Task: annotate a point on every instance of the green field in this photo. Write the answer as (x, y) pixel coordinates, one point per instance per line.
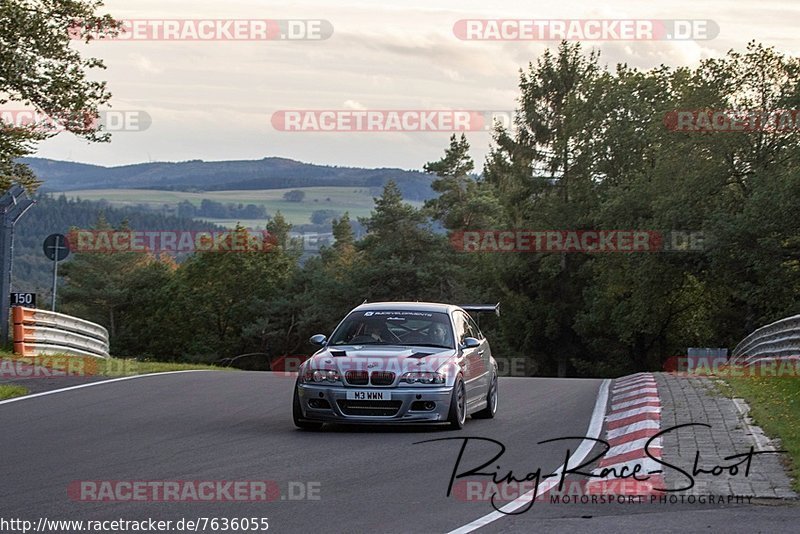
(357, 201)
(775, 407)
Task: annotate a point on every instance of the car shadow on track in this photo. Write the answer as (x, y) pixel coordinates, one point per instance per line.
(344, 428)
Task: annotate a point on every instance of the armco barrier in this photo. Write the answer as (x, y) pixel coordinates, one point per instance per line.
(40, 332)
(778, 340)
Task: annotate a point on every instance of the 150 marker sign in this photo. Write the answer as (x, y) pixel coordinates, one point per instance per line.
(27, 300)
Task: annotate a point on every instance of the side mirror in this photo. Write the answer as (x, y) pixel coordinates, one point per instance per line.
(319, 339)
(470, 343)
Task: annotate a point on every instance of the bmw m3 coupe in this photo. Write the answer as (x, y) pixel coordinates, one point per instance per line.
(399, 362)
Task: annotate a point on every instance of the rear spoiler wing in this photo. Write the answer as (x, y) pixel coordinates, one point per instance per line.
(482, 308)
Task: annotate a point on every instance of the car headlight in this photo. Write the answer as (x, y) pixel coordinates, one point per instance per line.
(319, 376)
(423, 378)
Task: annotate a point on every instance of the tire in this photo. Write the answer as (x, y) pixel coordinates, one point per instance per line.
(297, 415)
(491, 402)
(457, 415)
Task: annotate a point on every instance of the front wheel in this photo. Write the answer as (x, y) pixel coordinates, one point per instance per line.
(297, 415)
(491, 402)
(458, 406)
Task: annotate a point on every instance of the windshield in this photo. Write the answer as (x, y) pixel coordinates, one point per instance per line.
(395, 327)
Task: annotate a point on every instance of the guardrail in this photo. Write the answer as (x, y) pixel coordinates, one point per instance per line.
(778, 340)
(40, 332)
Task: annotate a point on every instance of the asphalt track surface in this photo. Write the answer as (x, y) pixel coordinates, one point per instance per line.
(237, 426)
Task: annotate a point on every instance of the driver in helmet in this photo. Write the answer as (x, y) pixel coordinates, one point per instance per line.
(439, 335)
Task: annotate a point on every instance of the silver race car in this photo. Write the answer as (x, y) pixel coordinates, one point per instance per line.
(399, 362)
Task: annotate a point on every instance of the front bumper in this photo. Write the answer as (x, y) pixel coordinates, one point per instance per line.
(340, 410)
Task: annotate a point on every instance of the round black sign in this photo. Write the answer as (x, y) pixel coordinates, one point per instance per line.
(56, 247)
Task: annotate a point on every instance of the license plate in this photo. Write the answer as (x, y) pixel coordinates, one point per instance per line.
(369, 395)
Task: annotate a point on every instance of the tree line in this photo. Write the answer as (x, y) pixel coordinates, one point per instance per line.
(219, 210)
(591, 148)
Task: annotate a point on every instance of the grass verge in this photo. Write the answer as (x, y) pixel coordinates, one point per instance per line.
(9, 392)
(121, 367)
(775, 407)
(12, 365)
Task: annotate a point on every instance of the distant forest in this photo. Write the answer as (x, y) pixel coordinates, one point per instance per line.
(219, 210)
(32, 271)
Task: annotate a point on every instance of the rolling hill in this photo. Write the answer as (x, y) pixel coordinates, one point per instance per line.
(197, 175)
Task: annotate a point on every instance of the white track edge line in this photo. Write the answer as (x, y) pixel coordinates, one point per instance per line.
(99, 383)
(583, 450)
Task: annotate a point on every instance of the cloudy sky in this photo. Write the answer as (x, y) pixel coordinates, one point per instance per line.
(214, 100)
